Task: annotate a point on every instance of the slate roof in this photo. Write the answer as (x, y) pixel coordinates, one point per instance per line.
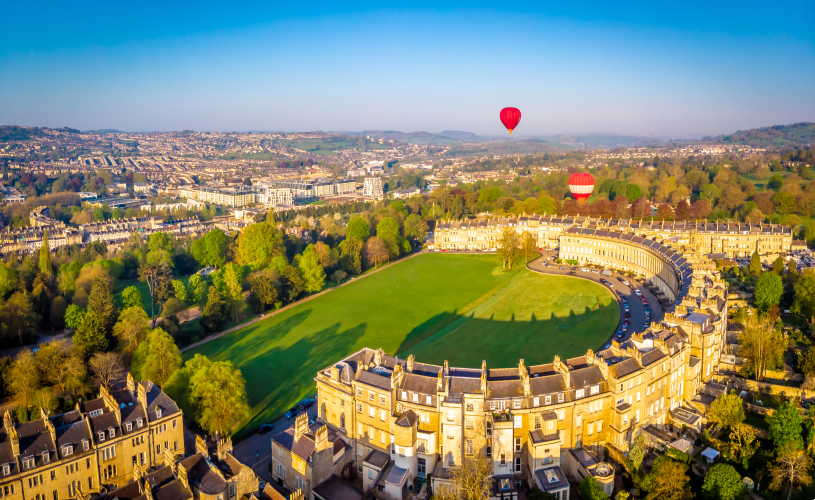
(505, 389)
(374, 380)
(377, 458)
(201, 475)
(419, 383)
(334, 488)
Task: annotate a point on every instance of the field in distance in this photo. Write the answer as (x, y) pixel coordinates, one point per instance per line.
(462, 308)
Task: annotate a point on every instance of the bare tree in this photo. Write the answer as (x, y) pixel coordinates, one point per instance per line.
(106, 367)
(528, 244)
(23, 378)
(471, 481)
(75, 369)
(761, 343)
(44, 400)
(792, 468)
(375, 251)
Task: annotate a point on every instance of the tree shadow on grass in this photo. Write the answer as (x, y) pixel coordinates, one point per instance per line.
(276, 379)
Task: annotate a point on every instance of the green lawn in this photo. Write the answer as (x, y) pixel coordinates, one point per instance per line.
(143, 289)
(430, 305)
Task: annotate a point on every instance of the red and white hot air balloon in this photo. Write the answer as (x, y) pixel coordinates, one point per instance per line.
(510, 117)
(581, 185)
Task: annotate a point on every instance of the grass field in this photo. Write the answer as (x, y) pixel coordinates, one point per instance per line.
(429, 305)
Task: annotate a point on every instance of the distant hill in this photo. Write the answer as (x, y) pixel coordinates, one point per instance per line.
(12, 133)
(606, 141)
(778, 135)
(105, 131)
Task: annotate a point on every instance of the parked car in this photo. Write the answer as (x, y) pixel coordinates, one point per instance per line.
(563, 268)
(627, 314)
(264, 428)
(603, 281)
(606, 272)
(292, 413)
(595, 271)
(620, 334)
(621, 280)
(572, 273)
(306, 403)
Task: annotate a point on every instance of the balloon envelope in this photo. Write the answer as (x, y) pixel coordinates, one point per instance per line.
(581, 185)
(510, 117)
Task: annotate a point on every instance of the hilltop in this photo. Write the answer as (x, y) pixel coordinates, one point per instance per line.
(778, 135)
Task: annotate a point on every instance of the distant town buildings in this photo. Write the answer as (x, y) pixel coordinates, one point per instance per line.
(372, 188)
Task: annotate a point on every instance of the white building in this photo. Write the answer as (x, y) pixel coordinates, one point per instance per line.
(373, 187)
(276, 196)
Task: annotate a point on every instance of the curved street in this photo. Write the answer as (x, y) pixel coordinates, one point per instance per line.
(546, 265)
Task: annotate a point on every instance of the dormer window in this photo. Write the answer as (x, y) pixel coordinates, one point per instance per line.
(101, 436)
(45, 457)
(579, 393)
(129, 426)
(415, 398)
(595, 389)
(158, 412)
(28, 463)
(139, 422)
(112, 432)
(67, 450)
(85, 444)
(95, 413)
(6, 470)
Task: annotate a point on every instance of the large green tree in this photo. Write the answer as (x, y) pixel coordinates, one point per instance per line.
(131, 297)
(785, 428)
(388, 232)
(131, 328)
(101, 302)
(415, 227)
(727, 410)
(768, 291)
(312, 271)
(233, 287)
(19, 317)
(358, 229)
(90, 335)
(590, 489)
(263, 293)
(219, 392)
(46, 270)
(667, 481)
(216, 311)
(163, 357)
(723, 482)
(804, 302)
(755, 268)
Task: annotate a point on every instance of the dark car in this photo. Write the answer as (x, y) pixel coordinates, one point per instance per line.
(620, 334)
(627, 314)
(292, 413)
(620, 279)
(306, 404)
(603, 281)
(264, 428)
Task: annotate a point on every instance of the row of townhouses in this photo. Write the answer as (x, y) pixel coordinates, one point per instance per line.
(400, 421)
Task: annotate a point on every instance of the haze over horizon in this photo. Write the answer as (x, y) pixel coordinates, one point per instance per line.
(690, 69)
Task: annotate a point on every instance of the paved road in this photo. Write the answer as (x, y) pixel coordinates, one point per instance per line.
(634, 304)
(42, 338)
(256, 451)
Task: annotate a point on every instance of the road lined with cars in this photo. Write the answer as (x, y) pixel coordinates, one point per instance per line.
(638, 306)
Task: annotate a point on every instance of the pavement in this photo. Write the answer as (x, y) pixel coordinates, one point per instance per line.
(635, 306)
(256, 450)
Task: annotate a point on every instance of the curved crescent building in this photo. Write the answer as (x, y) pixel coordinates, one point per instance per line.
(540, 423)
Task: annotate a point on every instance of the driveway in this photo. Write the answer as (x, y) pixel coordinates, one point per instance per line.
(619, 290)
(63, 338)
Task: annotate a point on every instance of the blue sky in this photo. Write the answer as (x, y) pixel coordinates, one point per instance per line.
(690, 68)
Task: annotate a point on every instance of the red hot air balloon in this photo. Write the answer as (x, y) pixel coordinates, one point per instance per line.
(510, 117)
(581, 185)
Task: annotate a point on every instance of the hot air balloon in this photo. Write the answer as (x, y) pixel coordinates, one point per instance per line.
(581, 185)
(510, 117)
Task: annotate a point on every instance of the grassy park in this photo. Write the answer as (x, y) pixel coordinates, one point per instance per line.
(462, 308)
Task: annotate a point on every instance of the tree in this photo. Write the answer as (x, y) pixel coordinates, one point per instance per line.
(107, 367)
(58, 309)
(761, 344)
(50, 360)
(23, 378)
(528, 244)
(639, 447)
(101, 303)
(312, 271)
(233, 289)
(778, 266)
(590, 489)
(293, 283)
(792, 468)
(727, 411)
(357, 229)
(768, 291)
(46, 270)
(755, 216)
(710, 192)
(73, 316)
(538, 494)
(90, 335)
(785, 429)
(75, 370)
(19, 316)
(375, 251)
(471, 481)
(44, 400)
(743, 443)
(131, 328)
(784, 203)
(351, 258)
(197, 289)
(722, 482)
(263, 293)
(163, 357)
(508, 243)
(806, 362)
(388, 232)
(804, 302)
(9, 282)
(755, 268)
(216, 311)
(258, 244)
(416, 227)
(667, 480)
(219, 391)
(180, 290)
(154, 273)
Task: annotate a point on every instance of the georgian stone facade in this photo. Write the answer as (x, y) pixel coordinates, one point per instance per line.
(537, 423)
(733, 240)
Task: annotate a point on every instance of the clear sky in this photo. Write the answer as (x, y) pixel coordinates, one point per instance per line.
(649, 68)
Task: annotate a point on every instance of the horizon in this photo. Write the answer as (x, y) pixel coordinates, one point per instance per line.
(635, 70)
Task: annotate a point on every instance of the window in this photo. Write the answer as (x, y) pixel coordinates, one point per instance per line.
(590, 429)
(112, 433)
(489, 428)
(175, 445)
(382, 414)
(415, 398)
(622, 387)
(342, 420)
(128, 426)
(579, 420)
(517, 421)
(595, 389)
(382, 437)
(469, 447)
(101, 436)
(517, 445)
(6, 470)
(139, 422)
(370, 473)
(517, 404)
(404, 395)
(359, 428)
(489, 452)
(518, 464)
(175, 422)
(599, 426)
(561, 414)
(422, 445)
(503, 460)
(579, 393)
(547, 400)
(469, 407)
(560, 398)
(158, 412)
(342, 404)
(551, 425)
(359, 407)
(381, 400)
(28, 463)
(371, 411)
(232, 490)
(370, 396)
(451, 460)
